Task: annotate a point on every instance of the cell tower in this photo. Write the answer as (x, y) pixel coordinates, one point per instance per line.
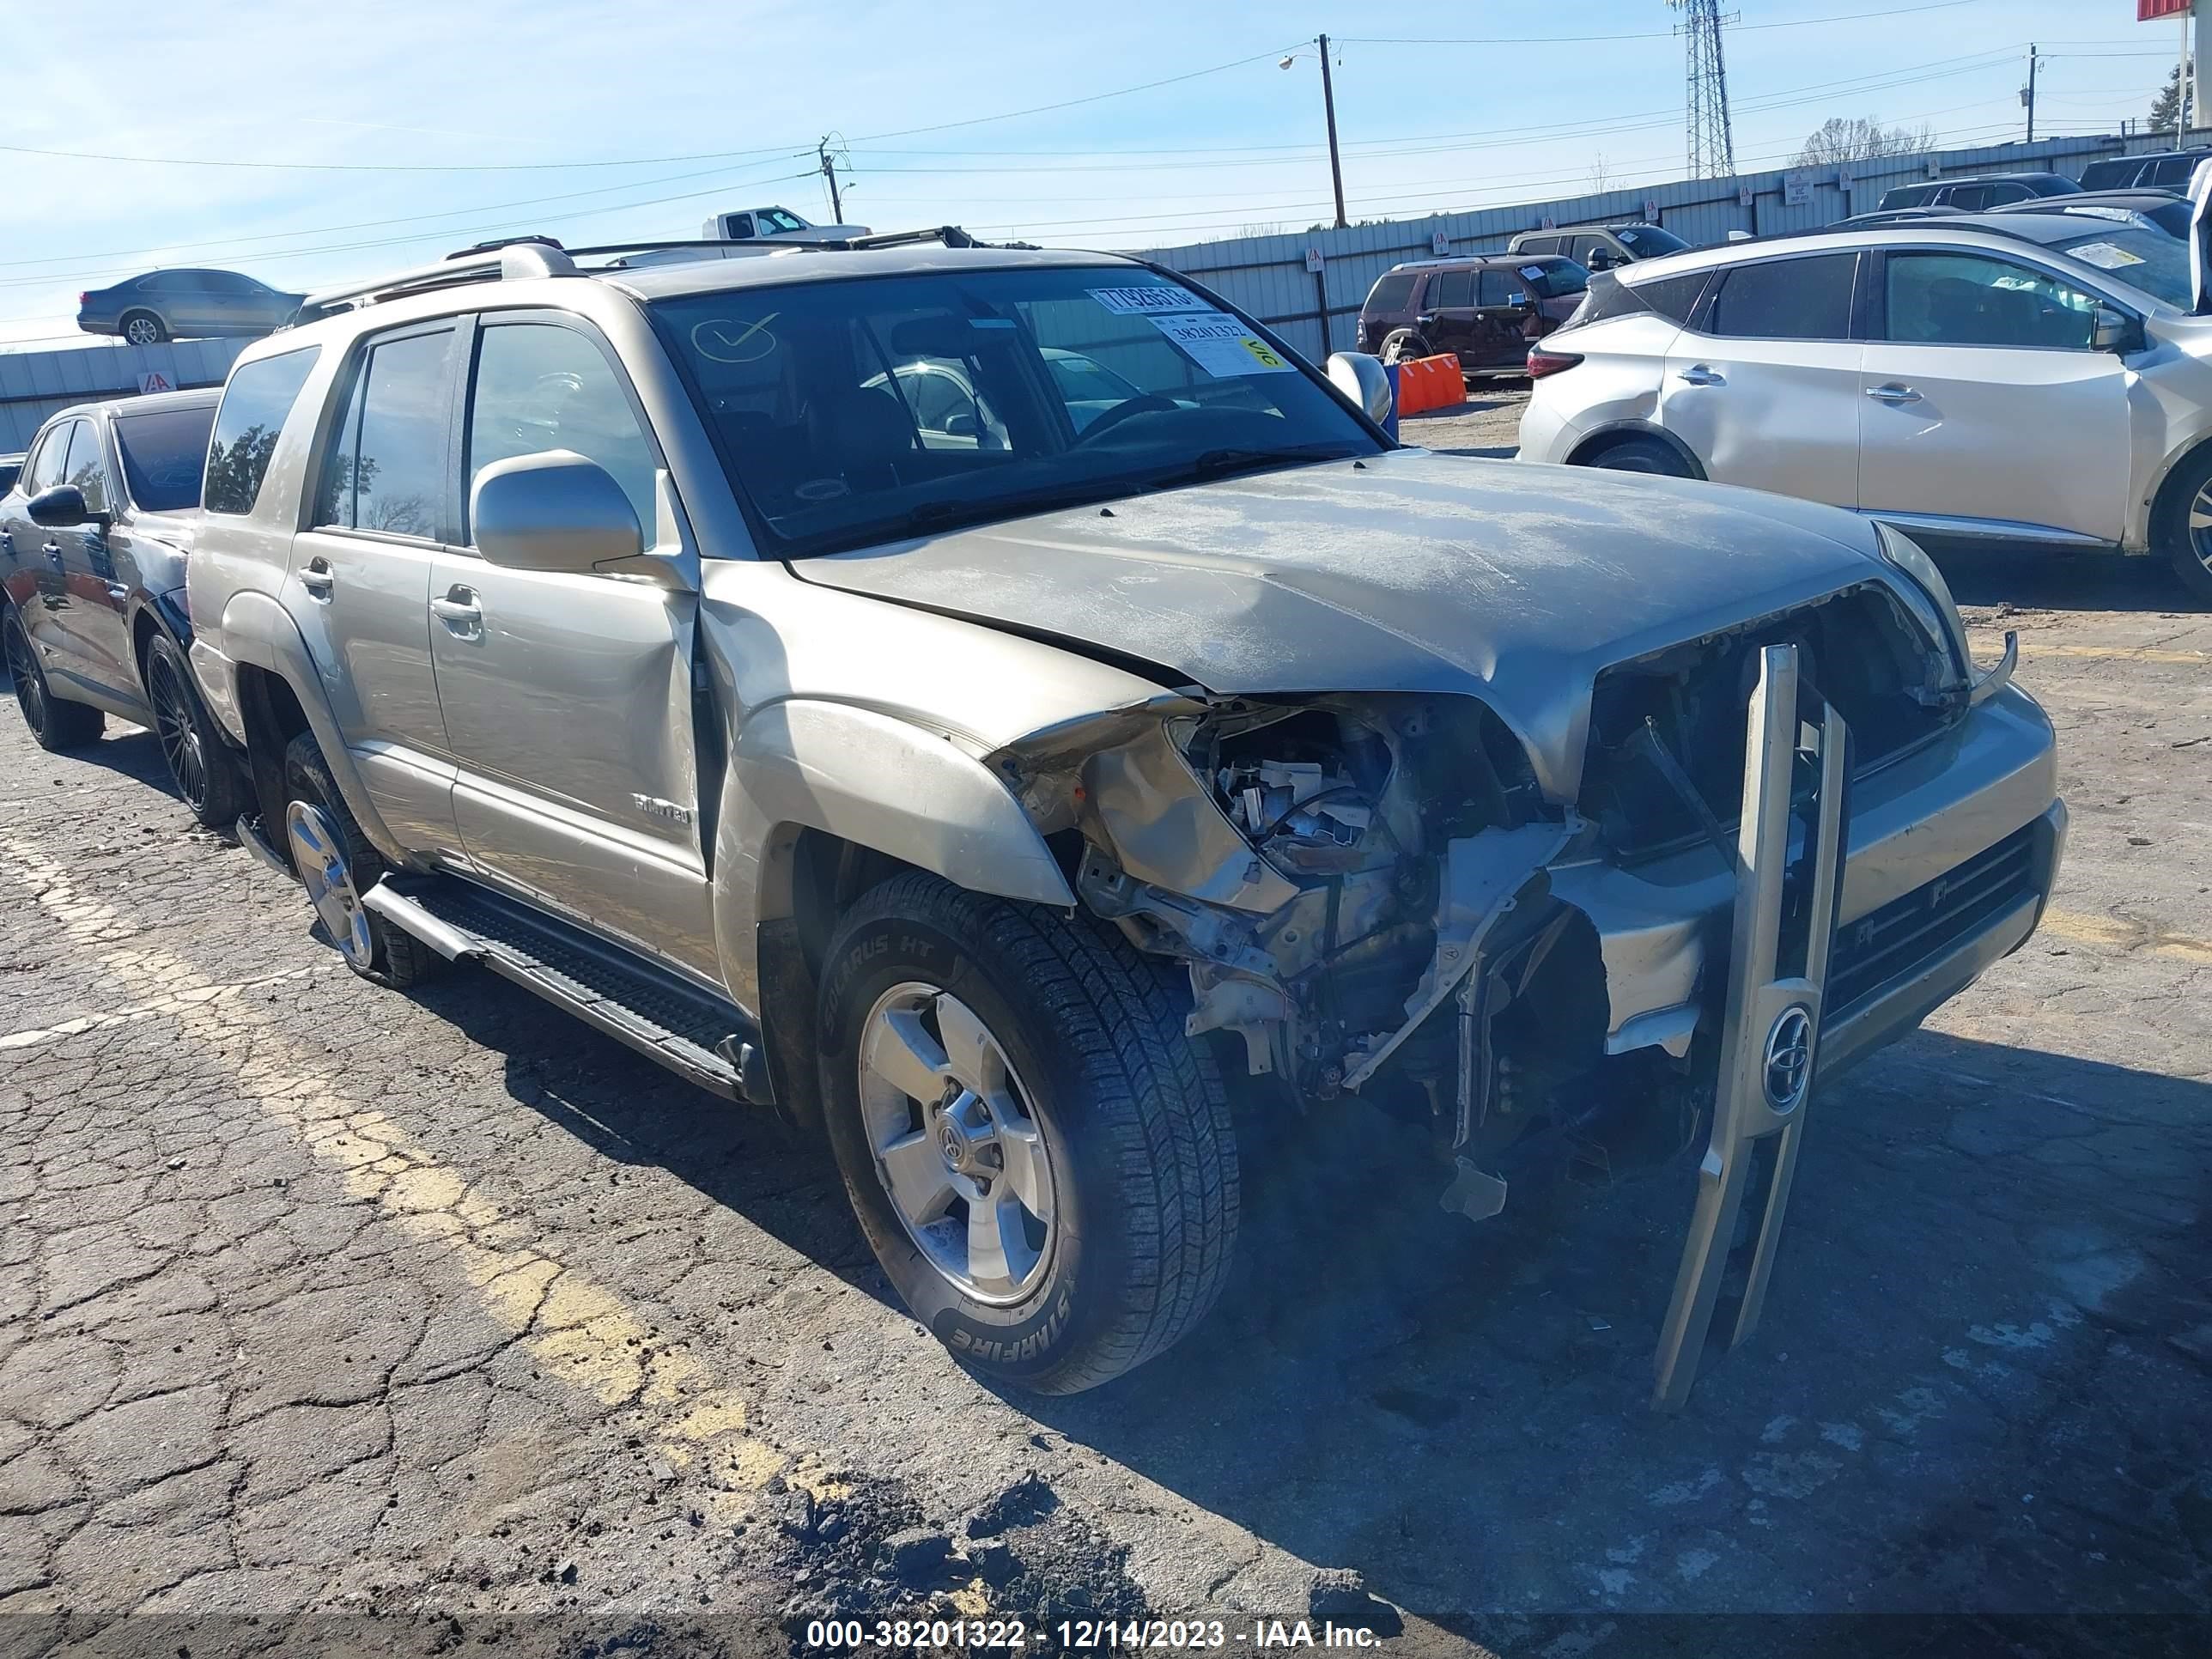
(1712, 146)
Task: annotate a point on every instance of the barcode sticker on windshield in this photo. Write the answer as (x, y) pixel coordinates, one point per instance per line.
(2105, 256)
(1148, 301)
(1221, 345)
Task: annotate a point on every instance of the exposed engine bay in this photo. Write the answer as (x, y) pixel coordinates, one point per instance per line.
(1359, 884)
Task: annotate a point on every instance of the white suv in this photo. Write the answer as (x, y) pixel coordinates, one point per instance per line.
(2019, 377)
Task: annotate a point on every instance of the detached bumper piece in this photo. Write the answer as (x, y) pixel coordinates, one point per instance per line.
(1779, 962)
(693, 1033)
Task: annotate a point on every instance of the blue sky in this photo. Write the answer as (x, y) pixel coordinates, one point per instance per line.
(386, 134)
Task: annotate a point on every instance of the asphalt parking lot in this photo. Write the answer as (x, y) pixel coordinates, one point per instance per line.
(332, 1316)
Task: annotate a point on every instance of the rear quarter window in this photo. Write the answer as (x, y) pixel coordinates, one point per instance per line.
(1392, 293)
(2108, 175)
(255, 403)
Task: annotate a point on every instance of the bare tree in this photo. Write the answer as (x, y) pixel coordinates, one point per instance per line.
(1861, 138)
(1601, 176)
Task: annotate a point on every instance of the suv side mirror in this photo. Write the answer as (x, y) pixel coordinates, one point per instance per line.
(2112, 330)
(60, 506)
(1363, 380)
(552, 511)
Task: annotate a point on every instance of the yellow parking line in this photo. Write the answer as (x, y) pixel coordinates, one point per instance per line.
(168, 1004)
(580, 1331)
(2124, 933)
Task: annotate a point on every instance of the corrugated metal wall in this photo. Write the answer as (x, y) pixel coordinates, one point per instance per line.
(36, 384)
(1267, 275)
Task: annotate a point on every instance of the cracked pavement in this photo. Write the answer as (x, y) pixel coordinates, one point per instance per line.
(331, 1317)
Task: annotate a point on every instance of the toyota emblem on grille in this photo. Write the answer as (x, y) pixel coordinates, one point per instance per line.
(1789, 1071)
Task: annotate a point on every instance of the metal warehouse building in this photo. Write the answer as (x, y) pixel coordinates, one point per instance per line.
(36, 384)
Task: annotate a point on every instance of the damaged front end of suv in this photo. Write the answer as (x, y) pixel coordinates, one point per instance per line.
(1376, 893)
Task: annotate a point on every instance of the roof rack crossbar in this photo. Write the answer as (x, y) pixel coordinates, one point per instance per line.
(513, 262)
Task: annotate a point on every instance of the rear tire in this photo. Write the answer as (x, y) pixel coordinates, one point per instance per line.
(58, 724)
(208, 778)
(1403, 345)
(1648, 455)
(1091, 1095)
(336, 865)
(143, 328)
(2183, 529)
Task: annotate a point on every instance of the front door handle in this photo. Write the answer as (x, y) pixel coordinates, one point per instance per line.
(319, 578)
(459, 610)
(1698, 374)
(1892, 394)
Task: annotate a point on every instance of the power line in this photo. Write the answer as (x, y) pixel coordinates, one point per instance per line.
(1635, 34)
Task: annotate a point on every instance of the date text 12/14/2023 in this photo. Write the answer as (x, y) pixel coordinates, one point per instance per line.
(1083, 1635)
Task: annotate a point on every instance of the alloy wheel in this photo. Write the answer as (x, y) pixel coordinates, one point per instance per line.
(957, 1143)
(2200, 526)
(319, 857)
(179, 735)
(142, 331)
(30, 689)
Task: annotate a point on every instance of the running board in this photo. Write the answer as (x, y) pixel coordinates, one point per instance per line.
(705, 1038)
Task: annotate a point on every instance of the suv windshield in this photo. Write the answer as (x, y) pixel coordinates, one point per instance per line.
(2148, 259)
(853, 412)
(164, 456)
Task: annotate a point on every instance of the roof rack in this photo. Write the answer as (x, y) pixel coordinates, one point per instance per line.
(520, 258)
(516, 260)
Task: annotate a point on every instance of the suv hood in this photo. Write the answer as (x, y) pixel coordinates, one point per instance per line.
(1407, 572)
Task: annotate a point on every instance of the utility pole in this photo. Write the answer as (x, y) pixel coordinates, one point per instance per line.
(829, 172)
(1329, 108)
(2027, 91)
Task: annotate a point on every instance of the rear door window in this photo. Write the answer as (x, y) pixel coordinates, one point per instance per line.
(255, 403)
(1807, 299)
(388, 469)
(1452, 290)
(2172, 173)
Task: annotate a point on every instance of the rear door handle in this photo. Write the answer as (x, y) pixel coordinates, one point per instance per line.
(319, 578)
(1892, 394)
(53, 552)
(1698, 374)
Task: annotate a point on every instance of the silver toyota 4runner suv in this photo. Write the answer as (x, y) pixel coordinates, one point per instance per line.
(975, 700)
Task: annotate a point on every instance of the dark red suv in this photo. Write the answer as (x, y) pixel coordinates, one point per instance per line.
(1486, 310)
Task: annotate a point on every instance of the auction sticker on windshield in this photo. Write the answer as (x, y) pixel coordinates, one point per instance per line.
(1221, 345)
(2105, 256)
(1148, 301)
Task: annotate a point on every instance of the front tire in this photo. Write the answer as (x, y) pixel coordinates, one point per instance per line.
(2183, 529)
(1041, 1160)
(336, 865)
(200, 762)
(58, 725)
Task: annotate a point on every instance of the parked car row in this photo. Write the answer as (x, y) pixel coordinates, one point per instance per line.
(984, 785)
(2041, 377)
